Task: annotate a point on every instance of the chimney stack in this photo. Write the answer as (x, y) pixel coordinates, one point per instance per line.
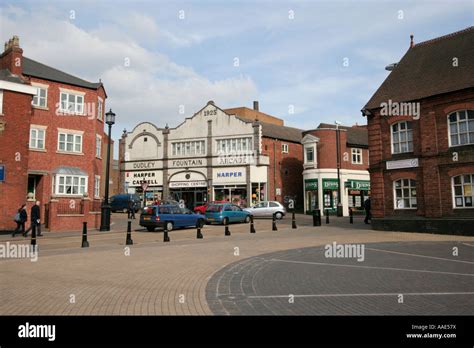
(255, 105)
(12, 57)
(411, 41)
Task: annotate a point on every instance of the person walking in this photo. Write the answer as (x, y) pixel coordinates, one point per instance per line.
(368, 214)
(35, 219)
(20, 218)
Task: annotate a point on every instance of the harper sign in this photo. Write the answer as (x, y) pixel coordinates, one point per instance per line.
(152, 178)
(406, 163)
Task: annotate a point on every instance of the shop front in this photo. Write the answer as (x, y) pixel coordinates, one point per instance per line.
(190, 187)
(230, 184)
(357, 192)
(311, 194)
(330, 194)
(153, 179)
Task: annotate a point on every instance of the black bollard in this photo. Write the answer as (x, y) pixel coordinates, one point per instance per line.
(315, 217)
(226, 229)
(199, 234)
(327, 216)
(129, 233)
(33, 238)
(252, 227)
(293, 220)
(274, 225)
(351, 218)
(166, 238)
(85, 243)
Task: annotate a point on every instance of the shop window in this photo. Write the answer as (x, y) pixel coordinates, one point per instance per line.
(461, 127)
(463, 190)
(402, 137)
(405, 194)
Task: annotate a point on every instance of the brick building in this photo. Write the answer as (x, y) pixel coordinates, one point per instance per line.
(321, 183)
(283, 147)
(58, 132)
(421, 139)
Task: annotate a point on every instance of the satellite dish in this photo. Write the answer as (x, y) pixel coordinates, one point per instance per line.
(390, 67)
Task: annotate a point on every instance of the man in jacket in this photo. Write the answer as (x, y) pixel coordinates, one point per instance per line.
(368, 214)
(35, 219)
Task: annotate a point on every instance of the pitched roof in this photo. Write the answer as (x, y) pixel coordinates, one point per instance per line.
(427, 69)
(281, 132)
(36, 69)
(357, 136)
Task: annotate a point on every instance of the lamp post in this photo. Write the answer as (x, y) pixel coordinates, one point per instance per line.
(105, 209)
(339, 203)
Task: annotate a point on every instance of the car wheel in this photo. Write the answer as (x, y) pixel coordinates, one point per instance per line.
(247, 219)
(278, 216)
(169, 226)
(225, 221)
(200, 223)
(150, 229)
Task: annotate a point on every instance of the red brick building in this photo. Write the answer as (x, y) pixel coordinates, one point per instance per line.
(283, 147)
(321, 185)
(421, 139)
(59, 134)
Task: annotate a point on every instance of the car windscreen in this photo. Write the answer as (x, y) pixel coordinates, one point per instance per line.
(214, 208)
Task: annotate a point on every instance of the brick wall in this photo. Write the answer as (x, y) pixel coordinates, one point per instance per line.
(285, 170)
(14, 155)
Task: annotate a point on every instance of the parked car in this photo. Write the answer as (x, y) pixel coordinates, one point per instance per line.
(267, 209)
(202, 208)
(224, 213)
(120, 202)
(170, 216)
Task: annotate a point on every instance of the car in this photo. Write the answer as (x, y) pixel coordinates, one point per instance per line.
(121, 201)
(169, 216)
(202, 208)
(224, 213)
(267, 209)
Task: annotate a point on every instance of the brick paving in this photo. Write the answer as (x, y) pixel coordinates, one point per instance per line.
(156, 278)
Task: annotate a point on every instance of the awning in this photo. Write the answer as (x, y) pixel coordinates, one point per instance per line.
(65, 170)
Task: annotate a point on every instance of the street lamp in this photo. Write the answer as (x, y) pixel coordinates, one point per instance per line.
(105, 209)
(339, 203)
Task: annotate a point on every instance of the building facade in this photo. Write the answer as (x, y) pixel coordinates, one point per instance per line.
(320, 180)
(63, 164)
(421, 139)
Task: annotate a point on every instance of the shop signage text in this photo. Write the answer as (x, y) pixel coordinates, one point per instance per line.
(224, 160)
(187, 163)
(229, 174)
(137, 178)
(199, 183)
(406, 163)
(358, 184)
(311, 184)
(144, 165)
(330, 184)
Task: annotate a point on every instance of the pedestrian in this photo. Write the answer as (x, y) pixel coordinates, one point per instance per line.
(368, 214)
(35, 219)
(131, 209)
(20, 218)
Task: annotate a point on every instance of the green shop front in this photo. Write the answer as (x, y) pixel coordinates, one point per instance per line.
(357, 192)
(330, 194)
(311, 194)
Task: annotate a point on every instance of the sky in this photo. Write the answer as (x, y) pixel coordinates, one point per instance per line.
(306, 62)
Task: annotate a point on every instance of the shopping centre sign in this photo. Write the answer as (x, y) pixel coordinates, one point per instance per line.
(181, 184)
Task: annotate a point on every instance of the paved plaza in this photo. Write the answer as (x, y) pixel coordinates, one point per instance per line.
(240, 274)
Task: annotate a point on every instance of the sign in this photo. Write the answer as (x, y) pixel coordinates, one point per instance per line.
(229, 174)
(235, 175)
(144, 165)
(406, 163)
(2, 173)
(152, 177)
(184, 163)
(278, 191)
(311, 184)
(330, 184)
(235, 160)
(179, 184)
(358, 184)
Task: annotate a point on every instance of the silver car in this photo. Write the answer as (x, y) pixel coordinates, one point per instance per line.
(267, 209)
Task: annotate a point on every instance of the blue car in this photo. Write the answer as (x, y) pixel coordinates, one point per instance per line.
(226, 213)
(169, 217)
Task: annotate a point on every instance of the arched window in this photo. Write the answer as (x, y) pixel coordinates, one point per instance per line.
(404, 192)
(402, 137)
(463, 191)
(461, 127)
